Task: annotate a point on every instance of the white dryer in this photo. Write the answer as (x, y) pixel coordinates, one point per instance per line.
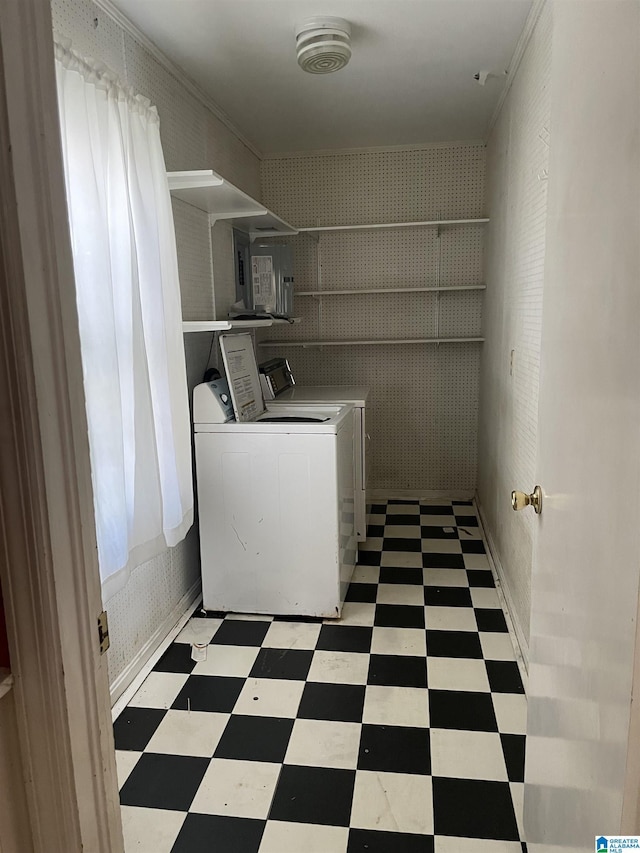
(279, 387)
(275, 495)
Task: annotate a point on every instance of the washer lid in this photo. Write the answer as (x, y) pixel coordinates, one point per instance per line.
(242, 376)
(318, 419)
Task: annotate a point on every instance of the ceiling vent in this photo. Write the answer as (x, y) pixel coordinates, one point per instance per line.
(323, 44)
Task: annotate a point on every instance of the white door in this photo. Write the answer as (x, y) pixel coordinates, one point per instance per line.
(585, 580)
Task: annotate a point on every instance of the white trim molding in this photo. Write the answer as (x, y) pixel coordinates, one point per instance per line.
(49, 567)
(516, 59)
(130, 679)
(504, 591)
(417, 494)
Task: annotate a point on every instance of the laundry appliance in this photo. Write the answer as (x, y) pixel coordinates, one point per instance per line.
(275, 496)
(279, 388)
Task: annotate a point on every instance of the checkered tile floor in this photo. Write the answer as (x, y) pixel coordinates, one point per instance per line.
(398, 729)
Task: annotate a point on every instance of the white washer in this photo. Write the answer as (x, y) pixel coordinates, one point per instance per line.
(275, 499)
(279, 388)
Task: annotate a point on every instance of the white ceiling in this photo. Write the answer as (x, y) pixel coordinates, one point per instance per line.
(410, 78)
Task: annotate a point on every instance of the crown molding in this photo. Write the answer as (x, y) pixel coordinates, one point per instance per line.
(175, 70)
(376, 149)
(516, 59)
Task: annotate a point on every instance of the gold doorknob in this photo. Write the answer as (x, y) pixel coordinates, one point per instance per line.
(519, 500)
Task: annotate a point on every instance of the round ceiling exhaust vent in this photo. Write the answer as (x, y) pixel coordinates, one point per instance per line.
(323, 44)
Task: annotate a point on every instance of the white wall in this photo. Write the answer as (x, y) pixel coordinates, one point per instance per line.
(422, 412)
(192, 138)
(517, 158)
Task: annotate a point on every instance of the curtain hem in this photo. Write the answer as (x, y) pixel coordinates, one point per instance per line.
(144, 553)
(178, 533)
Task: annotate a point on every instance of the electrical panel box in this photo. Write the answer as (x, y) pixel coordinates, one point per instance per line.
(272, 279)
(264, 276)
(242, 266)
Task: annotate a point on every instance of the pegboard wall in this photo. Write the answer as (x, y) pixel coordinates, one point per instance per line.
(224, 274)
(423, 408)
(518, 154)
(192, 138)
(441, 181)
(194, 260)
(136, 612)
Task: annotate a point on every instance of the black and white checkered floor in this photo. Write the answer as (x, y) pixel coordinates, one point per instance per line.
(398, 729)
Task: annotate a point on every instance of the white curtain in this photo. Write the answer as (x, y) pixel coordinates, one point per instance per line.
(129, 315)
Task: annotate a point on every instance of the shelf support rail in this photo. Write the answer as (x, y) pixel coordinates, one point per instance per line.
(385, 342)
(319, 284)
(373, 226)
(438, 280)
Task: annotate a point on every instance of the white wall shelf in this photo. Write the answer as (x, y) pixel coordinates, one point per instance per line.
(213, 194)
(431, 223)
(205, 326)
(437, 289)
(225, 325)
(358, 290)
(307, 344)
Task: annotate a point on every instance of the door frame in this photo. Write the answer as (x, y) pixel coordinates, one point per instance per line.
(49, 570)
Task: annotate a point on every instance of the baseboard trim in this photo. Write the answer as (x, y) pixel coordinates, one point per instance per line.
(132, 676)
(504, 592)
(426, 494)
